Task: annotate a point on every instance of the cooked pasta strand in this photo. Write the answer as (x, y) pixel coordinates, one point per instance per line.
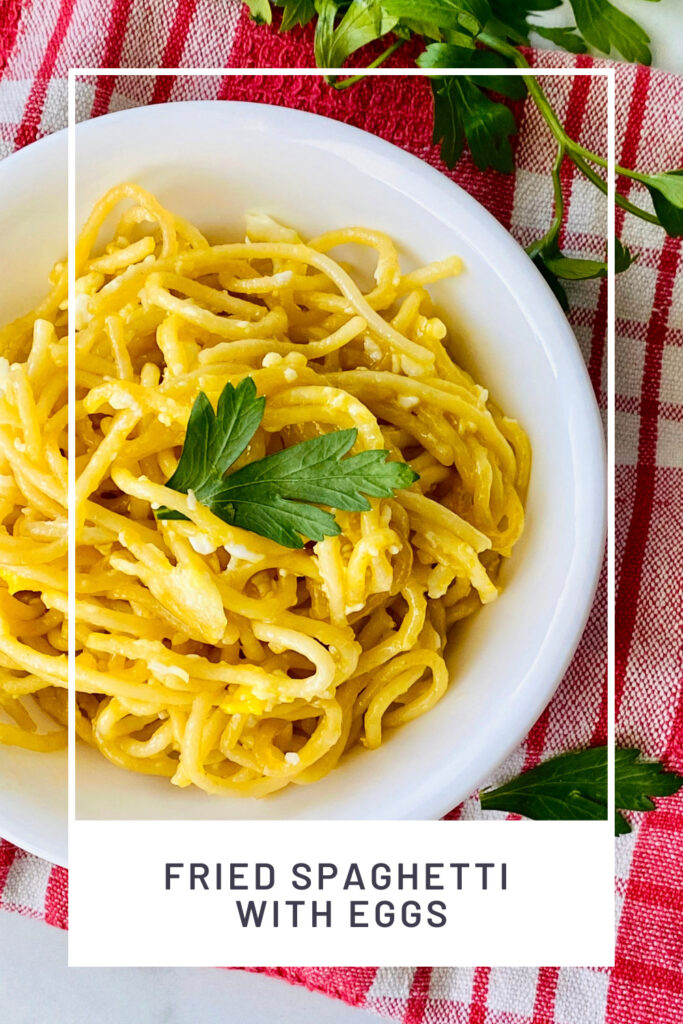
(206, 654)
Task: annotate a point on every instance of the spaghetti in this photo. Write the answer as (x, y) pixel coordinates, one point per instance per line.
(206, 653)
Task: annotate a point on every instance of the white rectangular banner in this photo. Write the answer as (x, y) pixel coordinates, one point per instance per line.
(332, 893)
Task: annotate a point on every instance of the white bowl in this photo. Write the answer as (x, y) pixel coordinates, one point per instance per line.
(210, 162)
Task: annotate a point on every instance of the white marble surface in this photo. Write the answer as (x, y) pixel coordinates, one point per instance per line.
(36, 986)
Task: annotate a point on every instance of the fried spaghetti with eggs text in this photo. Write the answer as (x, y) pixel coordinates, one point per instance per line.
(206, 652)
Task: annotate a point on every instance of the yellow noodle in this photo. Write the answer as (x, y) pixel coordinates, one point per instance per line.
(207, 654)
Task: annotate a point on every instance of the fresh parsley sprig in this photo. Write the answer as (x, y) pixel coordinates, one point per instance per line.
(278, 496)
(468, 112)
(573, 786)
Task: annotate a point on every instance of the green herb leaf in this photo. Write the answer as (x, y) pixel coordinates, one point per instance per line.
(574, 787)
(489, 127)
(313, 472)
(511, 86)
(448, 127)
(553, 281)
(571, 786)
(606, 28)
(556, 267)
(621, 825)
(276, 496)
(569, 269)
(463, 111)
(446, 55)
(465, 15)
(295, 12)
(260, 11)
(216, 440)
(511, 17)
(407, 27)
(362, 22)
(666, 190)
(623, 257)
(636, 782)
(479, 34)
(566, 38)
(285, 522)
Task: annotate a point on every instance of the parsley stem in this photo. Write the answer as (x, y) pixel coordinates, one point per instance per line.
(559, 198)
(572, 147)
(637, 211)
(580, 156)
(594, 158)
(504, 49)
(551, 234)
(346, 82)
(620, 200)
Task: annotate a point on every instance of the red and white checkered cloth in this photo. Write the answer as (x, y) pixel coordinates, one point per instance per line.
(40, 39)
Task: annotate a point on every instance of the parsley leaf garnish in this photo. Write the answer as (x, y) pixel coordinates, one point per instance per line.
(448, 126)
(277, 496)
(570, 268)
(447, 55)
(573, 786)
(511, 17)
(623, 257)
(295, 12)
(666, 189)
(260, 11)
(556, 267)
(489, 33)
(636, 782)
(606, 28)
(565, 38)
(468, 16)
(463, 111)
(213, 441)
(362, 22)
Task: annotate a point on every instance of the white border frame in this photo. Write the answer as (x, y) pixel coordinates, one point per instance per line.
(540, 72)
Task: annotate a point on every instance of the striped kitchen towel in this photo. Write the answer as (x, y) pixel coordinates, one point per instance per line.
(40, 39)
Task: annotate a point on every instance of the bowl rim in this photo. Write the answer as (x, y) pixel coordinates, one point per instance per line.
(543, 315)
